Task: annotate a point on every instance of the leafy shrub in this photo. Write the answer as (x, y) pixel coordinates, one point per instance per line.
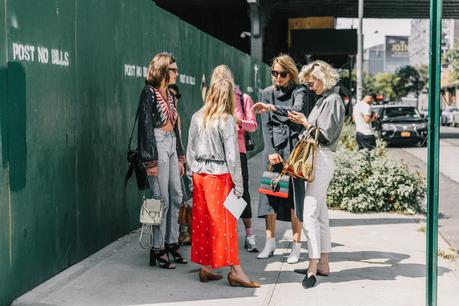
(370, 181)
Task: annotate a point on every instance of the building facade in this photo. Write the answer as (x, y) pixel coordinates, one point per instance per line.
(373, 59)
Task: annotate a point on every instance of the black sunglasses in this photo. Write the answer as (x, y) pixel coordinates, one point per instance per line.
(175, 70)
(283, 74)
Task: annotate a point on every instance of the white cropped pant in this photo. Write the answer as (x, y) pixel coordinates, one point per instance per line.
(315, 213)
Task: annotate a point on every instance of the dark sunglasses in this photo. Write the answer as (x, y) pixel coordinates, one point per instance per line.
(175, 70)
(282, 74)
(310, 84)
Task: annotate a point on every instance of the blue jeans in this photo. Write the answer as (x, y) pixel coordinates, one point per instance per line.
(169, 188)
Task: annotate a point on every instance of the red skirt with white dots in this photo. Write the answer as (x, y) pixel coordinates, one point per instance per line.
(214, 231)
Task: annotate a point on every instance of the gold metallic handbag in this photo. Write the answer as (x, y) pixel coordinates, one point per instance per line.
(300, 163)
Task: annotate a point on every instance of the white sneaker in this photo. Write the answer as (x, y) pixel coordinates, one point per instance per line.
(250, 244)
(294, 256)
(268, 250)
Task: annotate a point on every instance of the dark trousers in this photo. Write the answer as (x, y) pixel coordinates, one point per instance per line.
(366, 141)
(247, 213)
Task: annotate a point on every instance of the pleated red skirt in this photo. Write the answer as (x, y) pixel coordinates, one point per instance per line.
(214, 231)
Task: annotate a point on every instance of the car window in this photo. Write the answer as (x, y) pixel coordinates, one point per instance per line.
(401, 112)
(452, 109)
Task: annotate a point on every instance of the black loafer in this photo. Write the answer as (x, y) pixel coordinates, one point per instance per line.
(305, 271)
(309, 282)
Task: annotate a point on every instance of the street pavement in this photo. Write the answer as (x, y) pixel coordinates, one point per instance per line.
(416, 159)
(377, 259)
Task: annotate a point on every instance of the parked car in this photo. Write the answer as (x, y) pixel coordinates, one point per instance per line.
(447, 115)
(455, 119)
(403, 124)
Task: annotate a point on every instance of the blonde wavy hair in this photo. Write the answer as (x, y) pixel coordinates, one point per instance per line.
(287, 64)
(219, 101)
(320, 70)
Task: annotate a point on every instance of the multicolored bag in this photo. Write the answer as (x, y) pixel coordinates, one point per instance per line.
(274, 183)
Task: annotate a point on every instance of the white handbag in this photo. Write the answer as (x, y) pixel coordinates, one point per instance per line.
(151, 212)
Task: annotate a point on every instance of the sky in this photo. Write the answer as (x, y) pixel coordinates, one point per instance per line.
(400, 27)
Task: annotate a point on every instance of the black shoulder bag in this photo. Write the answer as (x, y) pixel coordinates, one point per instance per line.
(249, 143)
(135, 162)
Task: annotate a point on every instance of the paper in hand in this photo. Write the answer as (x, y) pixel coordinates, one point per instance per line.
(234, 205)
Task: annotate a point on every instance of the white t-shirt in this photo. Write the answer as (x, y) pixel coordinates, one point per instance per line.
(360, 109)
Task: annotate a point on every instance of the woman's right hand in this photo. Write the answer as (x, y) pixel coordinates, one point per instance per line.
(152, 171)
(275, 159)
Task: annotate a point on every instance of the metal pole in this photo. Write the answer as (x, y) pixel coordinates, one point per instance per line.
(433, 151)
(351, 64)
(359, 52)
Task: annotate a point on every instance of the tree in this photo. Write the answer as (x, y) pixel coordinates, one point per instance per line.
(368, 83)
(385, 83)
(409, 81)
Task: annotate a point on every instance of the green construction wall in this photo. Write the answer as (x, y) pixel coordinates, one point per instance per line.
(65, 121)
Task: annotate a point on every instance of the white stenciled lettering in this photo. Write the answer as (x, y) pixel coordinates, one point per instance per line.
(129, 70)
(40, 54)
(66, 58)
(138, 71)
(43, 55)
(24, 53)
(59, 57)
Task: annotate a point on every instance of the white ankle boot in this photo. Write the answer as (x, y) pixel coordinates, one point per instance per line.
(268, 250)
(294, 256)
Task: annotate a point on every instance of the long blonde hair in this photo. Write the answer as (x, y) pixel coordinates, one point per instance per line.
(219, 102)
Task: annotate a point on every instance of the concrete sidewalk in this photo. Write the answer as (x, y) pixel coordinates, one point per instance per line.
(378, 259)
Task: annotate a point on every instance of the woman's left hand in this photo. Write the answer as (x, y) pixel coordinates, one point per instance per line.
(298, 118)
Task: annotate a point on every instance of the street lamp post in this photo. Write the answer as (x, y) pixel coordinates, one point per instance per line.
(359, 52)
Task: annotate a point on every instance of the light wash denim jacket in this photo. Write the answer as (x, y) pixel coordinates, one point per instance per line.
(214, 149)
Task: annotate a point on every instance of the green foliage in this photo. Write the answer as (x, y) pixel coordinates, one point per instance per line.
(370, 181)
(452, 58)
(394, 86)
(409, 81)
(386, 84)
(347, 138)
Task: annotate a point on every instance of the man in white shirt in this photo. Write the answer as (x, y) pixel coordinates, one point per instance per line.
(363, 117)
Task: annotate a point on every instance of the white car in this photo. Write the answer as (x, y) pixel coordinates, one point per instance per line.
(448, 114)
(455, 119)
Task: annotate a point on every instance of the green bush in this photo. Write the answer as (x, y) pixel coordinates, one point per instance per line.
(370, 181)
